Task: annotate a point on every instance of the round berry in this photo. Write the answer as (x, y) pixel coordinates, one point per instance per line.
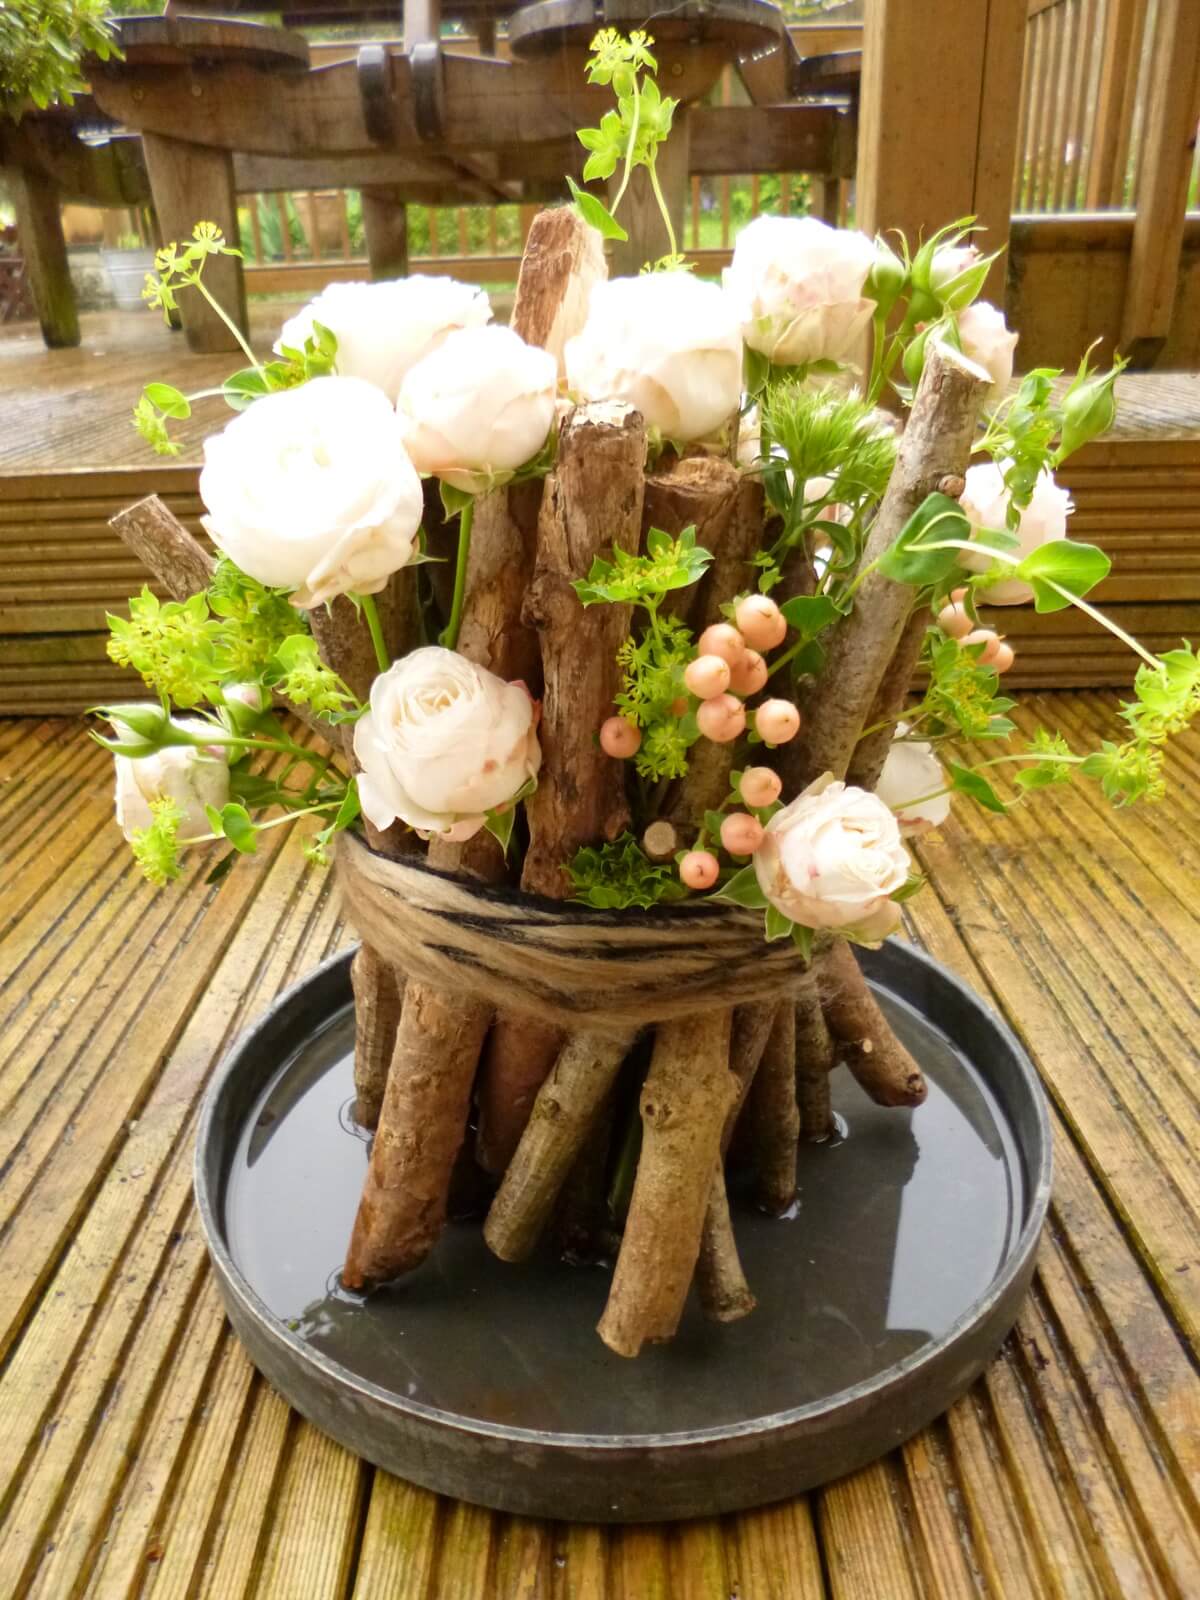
(699, 869)
(721, 639)
(777, 721)
(707, 676)
(990, 642)
(620, 738)
(741, 834)
(760, 622)
(954, 621)
(749, 674)
(722, 719)
(760, 787)
(1004, 657)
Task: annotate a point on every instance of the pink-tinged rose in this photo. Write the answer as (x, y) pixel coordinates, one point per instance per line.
(910, 775)
(832, 859)
(984, 503)
(443, 742)
(667, 343)
(986, 340)
(192, 777)
(477, 408)
(310, 490)
(383, 329)
(797, 285)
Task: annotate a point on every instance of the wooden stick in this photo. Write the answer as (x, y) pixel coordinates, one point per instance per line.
(774, 1116)
(864, 1039)
(870, 753)
(815, 1060)
(936, 444)
(565, 1111)
(378, 994)
(684, 1102)
(724, 1293)
(562, 262)
(161, 542)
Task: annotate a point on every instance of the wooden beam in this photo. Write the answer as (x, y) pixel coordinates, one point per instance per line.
(938, 122)
(1168, 150)
(193, 183)
(1116, 50)
(40, 234)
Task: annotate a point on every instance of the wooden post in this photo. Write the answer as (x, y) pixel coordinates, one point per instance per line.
(39, 230)
(941, 85)
(640, 216)
(1168, 149)
(385, 223)
(1119, 45)
(194, 183)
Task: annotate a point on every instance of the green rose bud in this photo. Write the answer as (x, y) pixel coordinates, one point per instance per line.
(1088, 411)
(913, 359)
(886, 280)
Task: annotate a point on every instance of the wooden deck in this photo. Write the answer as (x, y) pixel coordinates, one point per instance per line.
(144, 1457)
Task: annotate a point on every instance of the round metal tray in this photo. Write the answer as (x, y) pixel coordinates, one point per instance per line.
(881, 1296)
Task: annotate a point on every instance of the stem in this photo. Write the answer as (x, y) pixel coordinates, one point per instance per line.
(448, 637)
(275, 822)
(878, 344)
(662, 206)
(633, 133)
(197, 283)
(996, 761)
(371, 612)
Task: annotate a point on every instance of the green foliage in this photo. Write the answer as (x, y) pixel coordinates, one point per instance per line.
(156, 848)
(915, 557)
(969, 781)
(619, 874)
(1049, 767)
(961, 695)
(170, 643)
(41, 45)
(668, 564)
(316, 849)
(317, 358)
(1166, 702)
(743, 889)
(1060, 572)
(297, 671)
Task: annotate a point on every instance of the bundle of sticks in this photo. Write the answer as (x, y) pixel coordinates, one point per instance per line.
(614, 1140)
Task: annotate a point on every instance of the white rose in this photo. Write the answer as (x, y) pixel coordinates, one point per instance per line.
(443, 742)
(832, 859)
(667, 343)
(984, 502)
(986, 340)
(798, 287)
(383, 329)
(310, 489)
(911, 772)
(950, 261)
(478, 407)
(192, 777)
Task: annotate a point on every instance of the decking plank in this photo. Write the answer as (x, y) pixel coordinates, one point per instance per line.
(145, 1457)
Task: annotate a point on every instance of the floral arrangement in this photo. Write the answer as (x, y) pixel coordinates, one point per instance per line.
(623, 605)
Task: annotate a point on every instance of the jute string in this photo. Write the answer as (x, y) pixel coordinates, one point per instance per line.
(561, 961)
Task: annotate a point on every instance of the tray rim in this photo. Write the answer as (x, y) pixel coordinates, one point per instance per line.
(1016, 1265)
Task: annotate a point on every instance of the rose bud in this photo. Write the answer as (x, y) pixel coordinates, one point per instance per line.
(749, 674)
(1004, 657)
(722, 719)
(760, 622)
(707, 676)
(699, 869)
(953, 620)
(741, 834)
(620, 738)
(720, 639)
(777, 721)
(990, 642)
(760, 787)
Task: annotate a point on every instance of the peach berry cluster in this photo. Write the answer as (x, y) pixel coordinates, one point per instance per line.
(956, 623)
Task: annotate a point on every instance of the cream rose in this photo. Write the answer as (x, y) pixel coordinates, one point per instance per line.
(383, 329)
(193, 777)
(310, 489)
(443, 742)
(797, 285)
(665, 342)
(478, 407)
(911, 772)
(984, 502)
(985, 339)
(832, 859)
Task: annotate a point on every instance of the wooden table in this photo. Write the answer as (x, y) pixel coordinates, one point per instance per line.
(143, 1456)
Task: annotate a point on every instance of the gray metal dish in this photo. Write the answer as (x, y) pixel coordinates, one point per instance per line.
(883, 1297)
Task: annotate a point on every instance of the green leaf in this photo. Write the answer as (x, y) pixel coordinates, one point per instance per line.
(453, 500)
(222, 868)
(802, 938)
(500, 825)
(595, 213)
(168, 400)
(743, 889)
(777, 925)
(244, 388)
(911, 886)
(1075, 566)
(977, 786)
(935, 520)
(238, 828)
(809, 613)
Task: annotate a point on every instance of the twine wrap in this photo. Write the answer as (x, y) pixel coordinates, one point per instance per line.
(562, 961)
